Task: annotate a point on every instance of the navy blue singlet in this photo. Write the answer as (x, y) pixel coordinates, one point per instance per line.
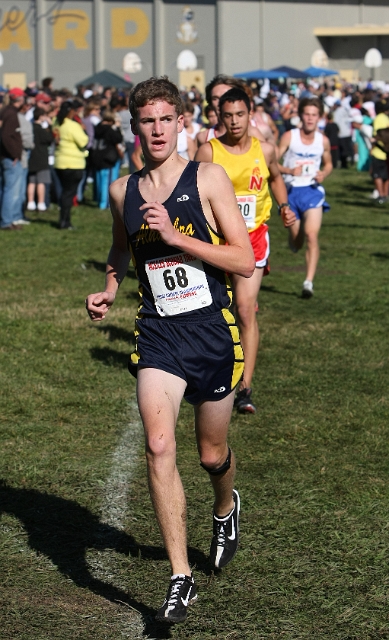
(172, 283)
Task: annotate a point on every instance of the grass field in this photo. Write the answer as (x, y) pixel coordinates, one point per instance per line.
(80, 552)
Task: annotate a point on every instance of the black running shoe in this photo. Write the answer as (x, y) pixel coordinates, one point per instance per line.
(243, 402)
(180, 594)
(225, 539)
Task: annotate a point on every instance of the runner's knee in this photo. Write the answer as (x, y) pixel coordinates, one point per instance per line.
(160, 445)
(215, 464)
(312, 237)
(246, 312)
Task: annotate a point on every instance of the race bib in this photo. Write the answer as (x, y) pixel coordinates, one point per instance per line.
(248, 207)
(178, 284)
(308, 168)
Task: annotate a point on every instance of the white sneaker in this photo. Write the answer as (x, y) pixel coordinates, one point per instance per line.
(375, 195)
(307, 289)
(41, 206)
(31, 206)
(22, 221)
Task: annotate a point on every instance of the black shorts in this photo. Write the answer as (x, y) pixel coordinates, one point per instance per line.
(205, 352)
(379, 169)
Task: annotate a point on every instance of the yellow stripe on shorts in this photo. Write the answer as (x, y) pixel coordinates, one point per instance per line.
(238, 368)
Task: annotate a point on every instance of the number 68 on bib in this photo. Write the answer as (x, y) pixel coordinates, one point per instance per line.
(178, 284)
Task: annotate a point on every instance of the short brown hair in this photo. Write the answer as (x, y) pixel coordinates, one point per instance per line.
(209, 109)
(234, 83)
(90, 106)
(310, 102)
(188, 107)
(109, 116)
(153, 90)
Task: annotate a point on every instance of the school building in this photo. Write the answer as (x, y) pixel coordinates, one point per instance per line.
(190, 42)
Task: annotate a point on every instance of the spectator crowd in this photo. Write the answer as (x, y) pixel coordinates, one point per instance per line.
(54, 142)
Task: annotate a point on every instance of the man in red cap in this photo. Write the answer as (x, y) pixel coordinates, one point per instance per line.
(11, 169)
(41, 100)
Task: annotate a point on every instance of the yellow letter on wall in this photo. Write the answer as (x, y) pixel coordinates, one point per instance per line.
(73, 26)
(20, 35)
(119, 20)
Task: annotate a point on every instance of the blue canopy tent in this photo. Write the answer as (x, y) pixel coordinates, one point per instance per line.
(290, 72)
(317, 72)
(258, 74)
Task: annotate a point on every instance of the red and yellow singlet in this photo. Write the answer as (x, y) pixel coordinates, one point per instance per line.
(249, 175)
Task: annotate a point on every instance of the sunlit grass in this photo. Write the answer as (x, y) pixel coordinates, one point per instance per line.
(312, 463)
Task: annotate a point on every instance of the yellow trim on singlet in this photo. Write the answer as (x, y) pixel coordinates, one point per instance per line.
(217, 239)
(249, 175)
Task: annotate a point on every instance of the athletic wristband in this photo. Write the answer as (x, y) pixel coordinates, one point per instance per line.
(281, 206)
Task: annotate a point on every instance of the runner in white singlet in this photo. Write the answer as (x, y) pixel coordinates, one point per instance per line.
(305, 150)
(186, 146)
(191, 128)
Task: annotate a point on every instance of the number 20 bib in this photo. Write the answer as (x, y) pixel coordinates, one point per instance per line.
(178, 284)
(247, 205)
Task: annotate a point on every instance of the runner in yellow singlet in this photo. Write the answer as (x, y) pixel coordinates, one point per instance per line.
(250, 179)
(213, 92)
(251, 166)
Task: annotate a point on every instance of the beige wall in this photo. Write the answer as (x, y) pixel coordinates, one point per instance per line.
(227, 36)
(203, 33)
(73, 39)
(286, 31)
(240, 39)
(295, 31)
(269, 34)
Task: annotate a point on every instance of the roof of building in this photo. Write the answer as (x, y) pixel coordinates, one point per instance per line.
(356, 30)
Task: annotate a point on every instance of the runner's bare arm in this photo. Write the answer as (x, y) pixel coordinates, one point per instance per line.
(222, 212)
(254, 132)
(326, 162)
(98, 304)
(192, 148)
(204, 153)
(278, 187)
(281, 150)
(136, 158)
(201, 137)
(284, 144)
(119, 255)
(274, 130)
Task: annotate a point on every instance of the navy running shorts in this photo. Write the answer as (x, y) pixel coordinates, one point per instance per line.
(205, 352)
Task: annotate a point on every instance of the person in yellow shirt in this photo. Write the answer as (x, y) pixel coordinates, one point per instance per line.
(251, 166)
(69, 163)
(379, 163)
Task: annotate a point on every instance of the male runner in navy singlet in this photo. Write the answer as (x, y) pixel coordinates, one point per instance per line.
(180, 223)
